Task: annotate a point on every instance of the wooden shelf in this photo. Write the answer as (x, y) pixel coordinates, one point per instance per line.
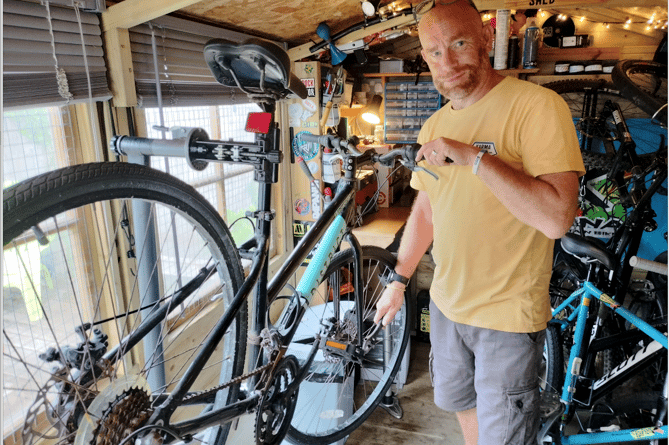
(513, 72)
(379, 229)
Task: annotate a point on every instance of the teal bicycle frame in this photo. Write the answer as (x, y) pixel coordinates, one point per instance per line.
(586, 293)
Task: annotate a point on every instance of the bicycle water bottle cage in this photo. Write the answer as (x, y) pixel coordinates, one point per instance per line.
(588, 249)
(256, 66)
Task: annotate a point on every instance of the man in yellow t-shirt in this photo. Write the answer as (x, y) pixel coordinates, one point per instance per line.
(508, 163)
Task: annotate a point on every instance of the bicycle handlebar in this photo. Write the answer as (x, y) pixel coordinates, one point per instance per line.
(406, 153)
(650, 266)
(334, 142)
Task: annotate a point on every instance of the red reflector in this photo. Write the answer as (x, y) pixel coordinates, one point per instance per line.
(258, 122)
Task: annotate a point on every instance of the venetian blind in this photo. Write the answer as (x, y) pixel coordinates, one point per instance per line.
(185, 79)
(29, 67)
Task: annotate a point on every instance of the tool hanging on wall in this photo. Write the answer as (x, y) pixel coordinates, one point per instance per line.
(332, 87)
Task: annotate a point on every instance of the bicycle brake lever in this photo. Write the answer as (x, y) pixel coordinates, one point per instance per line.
(431, 173)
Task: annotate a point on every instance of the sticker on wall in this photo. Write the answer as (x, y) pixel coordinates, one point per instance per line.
(308, 150)
(309, 109)
(313, 167)
(382, 198)
(295, 113)
(302, 206)
(310, 84)
(316, 199)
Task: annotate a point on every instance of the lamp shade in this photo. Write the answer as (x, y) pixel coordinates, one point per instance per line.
(371, 112)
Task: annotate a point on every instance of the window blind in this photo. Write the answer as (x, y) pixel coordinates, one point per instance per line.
(29, 68)
(185, 78)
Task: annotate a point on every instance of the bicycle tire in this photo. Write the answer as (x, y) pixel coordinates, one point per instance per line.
(579, 93)
(337, 396)
(644, 83)
(554, 364)
(73, 208)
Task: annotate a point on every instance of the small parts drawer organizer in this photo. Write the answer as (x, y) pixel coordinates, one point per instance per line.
(407, 107)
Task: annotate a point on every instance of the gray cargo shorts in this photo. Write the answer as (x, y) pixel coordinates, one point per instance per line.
(493, 371)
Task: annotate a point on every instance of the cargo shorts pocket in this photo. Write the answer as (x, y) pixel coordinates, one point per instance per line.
(522, 415)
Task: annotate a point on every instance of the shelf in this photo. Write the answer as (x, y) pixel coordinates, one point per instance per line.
(406, 108)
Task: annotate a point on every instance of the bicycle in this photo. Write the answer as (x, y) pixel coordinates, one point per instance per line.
(154, 351)
(626, 416)
(615, 181)
(608, 358)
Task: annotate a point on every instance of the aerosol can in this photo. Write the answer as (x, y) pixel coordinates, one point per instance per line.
(531, 44)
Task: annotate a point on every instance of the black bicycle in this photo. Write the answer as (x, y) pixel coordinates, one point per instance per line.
(146, 342)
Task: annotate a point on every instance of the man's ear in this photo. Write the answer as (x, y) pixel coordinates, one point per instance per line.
(488, 36)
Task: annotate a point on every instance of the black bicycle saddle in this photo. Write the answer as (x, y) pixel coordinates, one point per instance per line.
(588, 247)
(247, 60)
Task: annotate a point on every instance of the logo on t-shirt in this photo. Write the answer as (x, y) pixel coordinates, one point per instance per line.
(489, 146)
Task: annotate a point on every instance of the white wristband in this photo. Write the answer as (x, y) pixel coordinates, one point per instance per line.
(477, 161)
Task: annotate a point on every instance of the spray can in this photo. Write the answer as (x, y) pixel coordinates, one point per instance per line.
(531, 44)
(513, 52)
(502, 39)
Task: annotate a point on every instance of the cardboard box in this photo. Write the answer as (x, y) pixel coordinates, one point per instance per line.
(391, 66)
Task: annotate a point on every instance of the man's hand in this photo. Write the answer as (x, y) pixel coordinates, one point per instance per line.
(443, 151)
(390, 302)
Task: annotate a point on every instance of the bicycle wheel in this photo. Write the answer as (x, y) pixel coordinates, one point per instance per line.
(553, 360)
(74, 277)
(586, 98)
(338, 394)
(644, 83)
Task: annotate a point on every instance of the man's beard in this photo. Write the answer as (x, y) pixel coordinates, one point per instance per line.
(465, 86)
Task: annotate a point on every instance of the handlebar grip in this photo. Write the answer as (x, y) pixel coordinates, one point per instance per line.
(650, 266)
(308, 137)
(333, 142)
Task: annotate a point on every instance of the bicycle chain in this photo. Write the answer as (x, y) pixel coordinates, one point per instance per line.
(237, 380)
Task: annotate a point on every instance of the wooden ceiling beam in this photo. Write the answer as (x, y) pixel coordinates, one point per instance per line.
(129, 13)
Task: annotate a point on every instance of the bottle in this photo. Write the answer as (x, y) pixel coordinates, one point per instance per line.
(501, 39)
(531, 44)
(331, 168)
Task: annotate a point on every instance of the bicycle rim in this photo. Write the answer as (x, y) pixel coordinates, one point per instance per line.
(337, 395)
(70, 258)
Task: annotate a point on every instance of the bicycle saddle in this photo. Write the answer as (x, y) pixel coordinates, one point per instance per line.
(588, 247)
(247, 61)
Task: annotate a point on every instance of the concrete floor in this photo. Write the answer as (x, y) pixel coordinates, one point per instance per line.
(422, 423)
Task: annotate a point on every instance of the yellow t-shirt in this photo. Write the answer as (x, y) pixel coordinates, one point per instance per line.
(492, 270)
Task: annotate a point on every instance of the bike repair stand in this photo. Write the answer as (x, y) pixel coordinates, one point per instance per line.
(391, 403)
